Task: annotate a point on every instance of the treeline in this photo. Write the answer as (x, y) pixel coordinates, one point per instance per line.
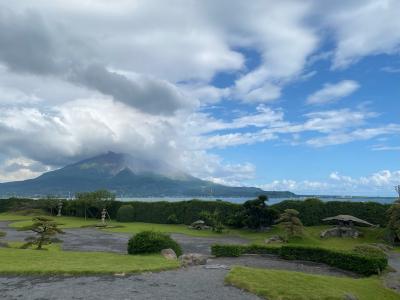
(311, 211)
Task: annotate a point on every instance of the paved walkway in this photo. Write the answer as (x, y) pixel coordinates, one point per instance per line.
(392, 279)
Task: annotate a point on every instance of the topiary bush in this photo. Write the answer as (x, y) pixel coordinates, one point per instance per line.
(369, 250)
(152, 242)
(172, 219)
(227, 250)
(125, 213)
(361, 261)
(238, 250)
(347, 260)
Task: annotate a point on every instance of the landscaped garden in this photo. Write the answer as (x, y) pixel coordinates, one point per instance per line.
(279, 232)
(276, 285)
(53, 260)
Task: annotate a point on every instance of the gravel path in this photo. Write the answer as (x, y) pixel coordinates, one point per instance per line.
(392, 279)
(195, 283)
(91, 239)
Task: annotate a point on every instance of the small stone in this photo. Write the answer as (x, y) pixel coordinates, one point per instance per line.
(217, 266)
(274, 239)
(3, 245)
(349, 297)
(120, 274)
(169, 254)
(193, 259)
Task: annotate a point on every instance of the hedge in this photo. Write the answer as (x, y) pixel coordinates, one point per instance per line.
(152, 242)
(345, 260)
(230, 250)
(186, 212)
(313, 210)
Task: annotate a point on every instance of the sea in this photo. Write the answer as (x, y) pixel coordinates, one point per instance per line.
(239, 200)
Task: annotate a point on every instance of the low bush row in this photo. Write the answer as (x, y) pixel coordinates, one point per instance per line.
(313, 210)
(230, 250)
(361, 263)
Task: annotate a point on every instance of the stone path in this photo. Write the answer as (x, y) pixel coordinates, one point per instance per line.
(91, 239)
(392, 279)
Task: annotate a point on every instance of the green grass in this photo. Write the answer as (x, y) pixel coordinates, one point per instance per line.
(65, 222)
(13, 217)
(310, 237)
(55, 261)
(274, 285)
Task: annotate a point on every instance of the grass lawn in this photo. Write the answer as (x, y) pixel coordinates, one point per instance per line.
(65, 222)
(274, 285)
(55, 261)
(310, 237)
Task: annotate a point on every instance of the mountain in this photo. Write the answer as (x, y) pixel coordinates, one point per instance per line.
(128, 177)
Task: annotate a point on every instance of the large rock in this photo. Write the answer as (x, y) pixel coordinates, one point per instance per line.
(274, 239)
(3, 244)
(199, 224)
(193, 259)
(341, 231)
(169, 254)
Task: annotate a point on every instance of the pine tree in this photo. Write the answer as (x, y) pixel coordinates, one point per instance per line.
(45, 230)
(290, 221)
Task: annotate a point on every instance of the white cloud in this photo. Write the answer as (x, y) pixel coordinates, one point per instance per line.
(362, 28)
(333, 92)
(361, 134)
(380, 183)
(20, 167)
(81, 78)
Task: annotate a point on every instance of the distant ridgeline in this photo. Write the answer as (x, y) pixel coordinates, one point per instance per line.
(312, 211)
(126, 176)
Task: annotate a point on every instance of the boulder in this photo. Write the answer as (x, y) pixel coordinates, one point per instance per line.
(199, 224)
(3, 244)
(193, 259)
(274, 239)
(341, 231)
(169, 254)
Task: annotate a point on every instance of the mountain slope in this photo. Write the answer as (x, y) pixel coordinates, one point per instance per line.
(127, 177)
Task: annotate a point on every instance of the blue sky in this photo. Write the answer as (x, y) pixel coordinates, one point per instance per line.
(288, 95)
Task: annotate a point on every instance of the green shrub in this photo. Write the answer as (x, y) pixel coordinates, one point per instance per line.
(313, 210)
(369, 250)
(2, 234)
(152, 242)
(172, 219)
(237, 250)
(346, 260)
(125, 213)
(366, 263)
(261, 249)
(257, 214)
(227, 250)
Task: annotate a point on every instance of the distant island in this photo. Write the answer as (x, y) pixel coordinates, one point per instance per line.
(126, 176)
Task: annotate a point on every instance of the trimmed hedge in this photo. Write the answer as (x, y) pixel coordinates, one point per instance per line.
(346, 260)
(125, 213)
(227, 250)
(313, 210)
(152, 242)
(363, 264)
(238, 250)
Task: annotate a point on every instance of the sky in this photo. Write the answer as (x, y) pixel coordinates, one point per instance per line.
(283, 95)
